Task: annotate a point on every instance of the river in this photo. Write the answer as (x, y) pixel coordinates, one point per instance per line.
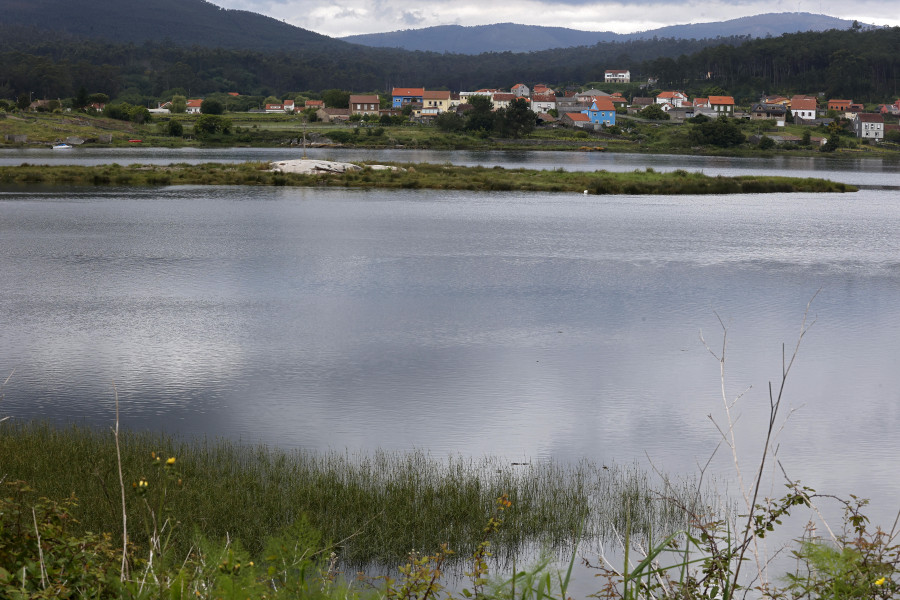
(528, 326)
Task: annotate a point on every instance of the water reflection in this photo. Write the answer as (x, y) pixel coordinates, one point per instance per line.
(517, 325)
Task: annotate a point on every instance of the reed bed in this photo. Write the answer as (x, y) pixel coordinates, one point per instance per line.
(377, 506)
(421, 175)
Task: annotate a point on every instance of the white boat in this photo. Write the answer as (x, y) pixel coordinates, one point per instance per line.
(62, 146)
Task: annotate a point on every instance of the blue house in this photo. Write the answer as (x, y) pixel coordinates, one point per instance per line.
(404, 96)
(602, 111)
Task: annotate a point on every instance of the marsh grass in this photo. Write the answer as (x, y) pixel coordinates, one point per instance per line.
(421, 175)
(383, 504)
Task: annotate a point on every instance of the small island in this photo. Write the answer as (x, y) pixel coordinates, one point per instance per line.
(413, 176)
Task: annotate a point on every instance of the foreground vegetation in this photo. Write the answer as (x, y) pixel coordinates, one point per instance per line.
(420, 176)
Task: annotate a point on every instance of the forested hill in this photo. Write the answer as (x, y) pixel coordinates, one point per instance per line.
(178, 22)
(858, 64)
(511, 37)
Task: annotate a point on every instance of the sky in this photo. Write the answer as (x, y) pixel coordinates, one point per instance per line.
(337, 18)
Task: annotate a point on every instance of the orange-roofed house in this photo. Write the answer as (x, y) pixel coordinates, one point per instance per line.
(316, 104)
(723, 105)
(404, 96)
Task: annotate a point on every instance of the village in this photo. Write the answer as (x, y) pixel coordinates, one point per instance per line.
(593, 108)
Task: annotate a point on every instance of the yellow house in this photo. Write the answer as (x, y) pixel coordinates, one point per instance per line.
(437, 101)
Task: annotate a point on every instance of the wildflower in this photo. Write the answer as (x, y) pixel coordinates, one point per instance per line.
(143, 483)
(880, 581)
(170, 461)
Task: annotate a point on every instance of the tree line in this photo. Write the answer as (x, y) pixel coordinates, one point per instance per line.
(856, 64)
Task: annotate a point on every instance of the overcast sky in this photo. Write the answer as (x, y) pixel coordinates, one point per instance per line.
(338, 18)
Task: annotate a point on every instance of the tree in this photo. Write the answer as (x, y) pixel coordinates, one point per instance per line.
(806, 138)
(175, 128)
(81, 100)
(722, 132)
(516, 120)
(766, 143)
(98, 98)
(211, 107)
(449, 122)
(654, 112)
(23, 102)
(179, 104)
(207, 125)
(481, 117)
(335, 98)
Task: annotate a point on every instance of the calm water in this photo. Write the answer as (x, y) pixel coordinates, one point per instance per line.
(520, 325)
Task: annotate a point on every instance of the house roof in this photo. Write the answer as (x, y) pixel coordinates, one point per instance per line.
(315, 103)
(641, 101)
(518, 85)
(803, 103)
(543, 97)
(577, 116)
(870, 118)
(194, 103)
(407, 91)
(504, 97)
(617, 71)
(720, 100)
(364, 99)
(671, 95)
(604, 103)
(436, 95)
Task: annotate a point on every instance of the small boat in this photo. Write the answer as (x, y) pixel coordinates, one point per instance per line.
(135, 141)
(61, 146)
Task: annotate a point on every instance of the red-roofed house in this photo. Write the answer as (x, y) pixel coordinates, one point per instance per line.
(576, 119)
(543, 102)
(839, 105)
(404, 96)
(541, 89)
(701, 102)
(316, 104)
(274, 108)
(803, 107)
(723, 105)
(193, 106)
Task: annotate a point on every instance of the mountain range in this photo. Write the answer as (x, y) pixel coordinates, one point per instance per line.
(510, 37)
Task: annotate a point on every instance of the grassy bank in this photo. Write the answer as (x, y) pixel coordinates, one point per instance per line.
(423, 176)
(383, 504)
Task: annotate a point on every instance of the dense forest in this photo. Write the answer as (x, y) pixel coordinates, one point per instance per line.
(857, 64)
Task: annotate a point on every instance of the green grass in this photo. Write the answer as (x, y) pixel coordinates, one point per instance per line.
(423, 175)
(386, 503)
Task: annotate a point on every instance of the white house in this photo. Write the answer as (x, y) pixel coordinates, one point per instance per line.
(676, 99)
(617, 76)
(869, 126)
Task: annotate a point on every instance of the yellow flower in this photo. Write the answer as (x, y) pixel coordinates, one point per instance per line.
(171, 461)
(879, 581)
